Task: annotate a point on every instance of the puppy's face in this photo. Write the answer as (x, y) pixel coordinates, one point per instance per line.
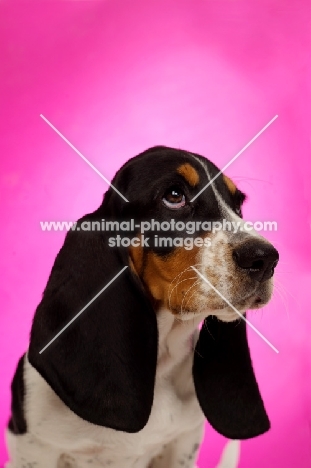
(238, 264)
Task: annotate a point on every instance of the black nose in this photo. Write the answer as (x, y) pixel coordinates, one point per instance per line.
(258, 258)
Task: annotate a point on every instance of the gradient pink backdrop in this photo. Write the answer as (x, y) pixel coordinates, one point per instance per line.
(119, 76)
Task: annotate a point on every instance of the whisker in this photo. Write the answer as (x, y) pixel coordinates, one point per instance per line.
(283, 301)
(176, 285)
(182, 272)
(283, 288)
(189, 289)
(177, 277)
(251, 178)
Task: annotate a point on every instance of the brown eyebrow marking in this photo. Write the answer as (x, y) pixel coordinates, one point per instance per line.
(189, 173)
(231, 186)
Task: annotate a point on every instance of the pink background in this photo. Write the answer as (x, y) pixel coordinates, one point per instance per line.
(119, 76)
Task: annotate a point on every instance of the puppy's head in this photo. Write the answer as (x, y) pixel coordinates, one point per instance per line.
(103, 366)
(236, 261)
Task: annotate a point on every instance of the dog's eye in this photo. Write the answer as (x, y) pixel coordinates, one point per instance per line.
(174, 198)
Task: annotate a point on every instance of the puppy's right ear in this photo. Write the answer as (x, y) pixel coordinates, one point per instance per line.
(103, 365)
(225, 381)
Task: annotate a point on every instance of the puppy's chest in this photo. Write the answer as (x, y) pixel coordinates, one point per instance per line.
(175, 410)
(171, 415)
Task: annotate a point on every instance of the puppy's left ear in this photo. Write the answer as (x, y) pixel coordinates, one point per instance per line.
(225, 383)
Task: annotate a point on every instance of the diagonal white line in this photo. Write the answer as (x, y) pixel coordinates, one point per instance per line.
(83, 157)
(235, 310)
(82, 310)
(235, 157)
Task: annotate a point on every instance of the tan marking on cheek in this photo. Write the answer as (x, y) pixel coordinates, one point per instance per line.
(189, 173)
(231, 186)
(160, 277)
(132, 267)
(136, 259)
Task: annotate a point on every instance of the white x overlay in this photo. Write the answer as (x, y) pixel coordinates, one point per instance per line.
(235, 310)
(82, 310)
(125, 199)
(83, 157)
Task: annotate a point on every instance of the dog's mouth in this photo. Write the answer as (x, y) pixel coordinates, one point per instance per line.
(258, 302)
(262, 295)
(258, 299)
(229, 308)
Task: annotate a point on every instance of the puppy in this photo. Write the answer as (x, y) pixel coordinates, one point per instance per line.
(118, 373)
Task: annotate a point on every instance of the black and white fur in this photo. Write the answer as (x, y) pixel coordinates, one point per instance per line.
(130, 383)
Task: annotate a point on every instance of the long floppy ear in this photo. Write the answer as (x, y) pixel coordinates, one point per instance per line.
(103, 365)
(225, 383)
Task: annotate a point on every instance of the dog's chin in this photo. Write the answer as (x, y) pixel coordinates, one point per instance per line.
(224, 312)
(262, 295)
(256, 301)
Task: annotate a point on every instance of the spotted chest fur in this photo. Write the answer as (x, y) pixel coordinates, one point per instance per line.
(79, 444)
